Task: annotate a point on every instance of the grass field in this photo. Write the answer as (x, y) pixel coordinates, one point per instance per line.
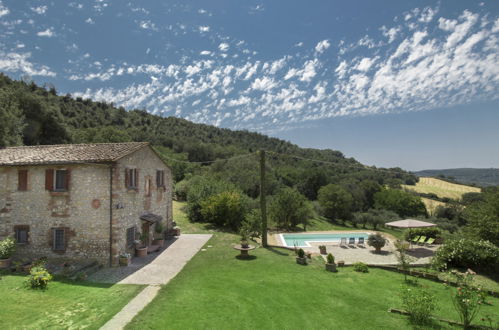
(431, 204)
(215, 290)
(441, 188)
(64, 305)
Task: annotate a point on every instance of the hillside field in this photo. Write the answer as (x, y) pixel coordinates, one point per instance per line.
(441, 188)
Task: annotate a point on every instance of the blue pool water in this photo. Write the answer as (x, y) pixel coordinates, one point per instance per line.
(301, 240)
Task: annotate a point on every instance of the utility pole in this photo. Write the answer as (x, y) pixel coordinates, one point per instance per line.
(263, 203)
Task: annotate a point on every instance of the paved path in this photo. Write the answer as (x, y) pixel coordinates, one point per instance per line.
(159, 271)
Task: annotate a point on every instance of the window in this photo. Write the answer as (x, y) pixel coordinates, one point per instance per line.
(22, 184)
(57, 180)
(21, 234)
(160, 178)
(148, 188)
(60, 180)
(130, 236)
(131, 178)
(59, 240)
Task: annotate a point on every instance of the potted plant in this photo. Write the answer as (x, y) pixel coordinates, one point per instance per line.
(300, 259)
(330, 265)
(377, 241)
(322, 249)
(176, 231)
(125, 259)
(159, 238)
(140, 247)
(7, 248)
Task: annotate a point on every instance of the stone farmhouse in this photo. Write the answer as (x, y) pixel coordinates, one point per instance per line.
(83, 201)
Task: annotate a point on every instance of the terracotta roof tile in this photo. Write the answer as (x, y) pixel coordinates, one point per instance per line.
(68, 153)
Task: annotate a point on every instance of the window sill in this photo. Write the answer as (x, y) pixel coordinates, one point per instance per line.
(130, 189)
(59, 193)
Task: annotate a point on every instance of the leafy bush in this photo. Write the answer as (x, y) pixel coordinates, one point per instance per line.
(360, 267)
(403, 203)
(468, 299)
(330, 258)
(419, 303)
(251, 226)
(288, 208)
(336, 202)
(377, 241)
(38, 277)
(7, 248)
(301, 253)
(433, 232)
(226, 209)
(181, 189)
(467, 253)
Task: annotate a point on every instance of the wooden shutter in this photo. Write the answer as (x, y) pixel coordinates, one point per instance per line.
(127, 178)
(158, 183)
(68, 178)
(22, 180)
(49, 179)
(137, 179)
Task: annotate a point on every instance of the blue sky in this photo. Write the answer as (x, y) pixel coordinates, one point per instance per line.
(413, 84)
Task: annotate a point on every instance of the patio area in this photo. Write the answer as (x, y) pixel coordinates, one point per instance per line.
(367, 254)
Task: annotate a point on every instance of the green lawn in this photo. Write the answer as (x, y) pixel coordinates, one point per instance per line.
(217, 291)
(64, 305)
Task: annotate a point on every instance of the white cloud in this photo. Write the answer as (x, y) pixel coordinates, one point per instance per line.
(322, 46)
(148, 25)
(263, 84)
(3, 10)
(46, 33)
(309, 70)
(365, 64)
(391, 33)
(205, 52)
(39, 10)
(204, 29)
(223, 46)
(89, 21)
(14, 62)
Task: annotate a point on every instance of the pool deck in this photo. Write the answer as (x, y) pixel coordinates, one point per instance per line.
(421, 254)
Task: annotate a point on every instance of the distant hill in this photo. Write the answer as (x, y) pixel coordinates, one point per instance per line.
(477, 176)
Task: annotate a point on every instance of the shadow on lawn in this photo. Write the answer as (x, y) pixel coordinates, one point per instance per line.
(276, 251)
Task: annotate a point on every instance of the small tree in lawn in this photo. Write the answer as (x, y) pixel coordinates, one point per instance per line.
(403, 258)
(377, 241)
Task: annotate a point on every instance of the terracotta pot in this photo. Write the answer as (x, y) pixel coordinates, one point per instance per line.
(176, 231)
(244, 243)
(331, 268)
(141, 252)
(5, 263)
(301, 261)
(323, 249)
(158, 241)
(124, 261)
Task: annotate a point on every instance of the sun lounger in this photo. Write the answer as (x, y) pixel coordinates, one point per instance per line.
(360, 242)
(421, 240)
(415, 239)
(429, 241)
(351, 242)
(343, 241)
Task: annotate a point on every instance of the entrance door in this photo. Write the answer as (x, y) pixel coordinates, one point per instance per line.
(145, 232)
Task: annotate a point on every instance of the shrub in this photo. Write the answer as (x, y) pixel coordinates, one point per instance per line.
(468, 299)
(38, 277)
(433, 232)
(288, 208)
(330, 258)
(467, 253)
(301, 253)
(377, 241)
(7, 248)
(226, 209)
(419, 303)
(360, 267)
(251, 225)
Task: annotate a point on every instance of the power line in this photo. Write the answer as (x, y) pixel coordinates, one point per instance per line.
(208, 161)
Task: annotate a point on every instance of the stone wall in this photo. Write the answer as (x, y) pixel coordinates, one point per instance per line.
(132, 203)
(86, 209)
(83, 211)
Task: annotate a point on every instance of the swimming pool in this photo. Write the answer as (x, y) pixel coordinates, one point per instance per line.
(302, 240)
